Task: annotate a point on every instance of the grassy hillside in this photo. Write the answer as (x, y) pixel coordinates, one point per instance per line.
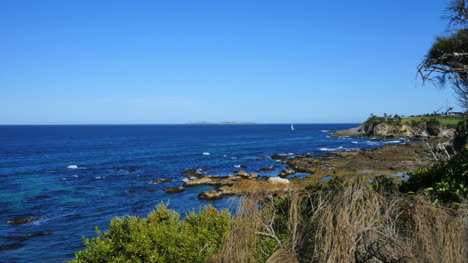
(443, 119)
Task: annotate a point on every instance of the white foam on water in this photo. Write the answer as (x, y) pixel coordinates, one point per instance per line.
(330, 149)
(354, 142)
(206, 153)
(392, 142)
(72, 166)
(351, 149)
(237, 166)
(75, 176)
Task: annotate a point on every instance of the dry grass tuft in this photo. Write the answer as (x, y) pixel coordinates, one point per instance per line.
(353, 224)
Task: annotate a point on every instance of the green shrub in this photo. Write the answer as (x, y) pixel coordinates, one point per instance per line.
(384, 184)
(161, 237)
(444, 181)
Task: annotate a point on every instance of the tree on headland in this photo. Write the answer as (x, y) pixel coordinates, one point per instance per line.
(447, 60)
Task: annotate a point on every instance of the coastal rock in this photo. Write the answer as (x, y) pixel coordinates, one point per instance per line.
(304, 165)
(382, 130)
(286, 172)
(246, 175)
(199, 181)
(243, 174)
(227, 190)
(265, 169)
(343, 154)
(210, 195)
(353, 132)
(232, 177)
(19, 221)
(191, 172)
(277, 180)
(278, 157)
(252, 176)
(172, 190)
(157, 181)
(214, 180)
(406, 131)
(385, 130)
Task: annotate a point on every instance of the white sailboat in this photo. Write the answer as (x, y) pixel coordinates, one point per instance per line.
(292, 127)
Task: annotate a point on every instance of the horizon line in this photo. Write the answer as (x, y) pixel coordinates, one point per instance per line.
(136, 124)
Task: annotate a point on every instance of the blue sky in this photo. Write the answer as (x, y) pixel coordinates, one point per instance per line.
(91, 62)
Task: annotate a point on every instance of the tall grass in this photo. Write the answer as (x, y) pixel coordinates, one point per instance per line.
(351, 223)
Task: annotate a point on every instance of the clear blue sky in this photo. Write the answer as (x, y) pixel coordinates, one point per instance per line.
(78, 62)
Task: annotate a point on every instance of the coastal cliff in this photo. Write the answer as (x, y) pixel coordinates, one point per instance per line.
(415, 127)
(385, 130)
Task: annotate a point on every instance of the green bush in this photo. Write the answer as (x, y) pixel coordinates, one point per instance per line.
(444, 181)
(384, 184)
(161, 237)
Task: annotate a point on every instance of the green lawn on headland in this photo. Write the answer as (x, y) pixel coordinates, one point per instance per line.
(443, 119)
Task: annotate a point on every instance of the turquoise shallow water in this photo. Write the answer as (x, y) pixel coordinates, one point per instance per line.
(115, 165)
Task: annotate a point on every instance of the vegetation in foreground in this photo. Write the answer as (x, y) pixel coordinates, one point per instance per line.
(161, 237)
(337, 222)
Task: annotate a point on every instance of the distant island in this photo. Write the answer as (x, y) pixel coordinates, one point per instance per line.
(223, 122)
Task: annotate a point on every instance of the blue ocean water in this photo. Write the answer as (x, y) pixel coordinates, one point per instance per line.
(76, 177)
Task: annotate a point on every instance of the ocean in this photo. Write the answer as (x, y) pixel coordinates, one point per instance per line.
(75, 178)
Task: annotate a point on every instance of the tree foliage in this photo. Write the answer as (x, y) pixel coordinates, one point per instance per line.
(447, 60)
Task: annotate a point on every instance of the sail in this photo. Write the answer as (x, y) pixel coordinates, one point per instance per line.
(292, 127)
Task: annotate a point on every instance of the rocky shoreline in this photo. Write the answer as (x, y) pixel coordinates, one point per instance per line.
(391, 160)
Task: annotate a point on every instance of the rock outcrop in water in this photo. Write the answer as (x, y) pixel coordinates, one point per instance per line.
(19, 221)
(172, 190)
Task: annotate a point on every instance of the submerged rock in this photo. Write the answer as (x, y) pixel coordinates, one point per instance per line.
(157, 181)
(210, 195)
(266, 169)
(278, 157)
(191, 172)
(172, 190)
(19, 221)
